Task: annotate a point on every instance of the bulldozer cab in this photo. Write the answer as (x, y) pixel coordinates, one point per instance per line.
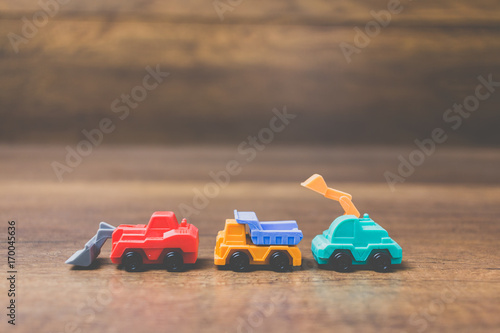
(163, 220)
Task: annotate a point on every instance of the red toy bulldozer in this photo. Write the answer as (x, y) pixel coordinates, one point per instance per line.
(162, 241)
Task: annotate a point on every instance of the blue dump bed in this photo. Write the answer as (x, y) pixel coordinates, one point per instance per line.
(270, 233)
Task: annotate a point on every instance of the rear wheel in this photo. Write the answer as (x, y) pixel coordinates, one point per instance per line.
(132, 261)
(174, 261)
(381, 262)
(239, 262)
(280, 262)
(340, 262)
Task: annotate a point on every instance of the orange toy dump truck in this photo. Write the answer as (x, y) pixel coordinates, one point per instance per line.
(265, 243)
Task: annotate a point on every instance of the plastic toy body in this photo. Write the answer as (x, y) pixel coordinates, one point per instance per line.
(266, 243)
(162, 234)
(162, 241)
(360, 238)
(270, 233)
(352, 240)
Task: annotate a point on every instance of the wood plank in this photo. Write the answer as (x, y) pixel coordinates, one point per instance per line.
(449, 281)
(224, 82)
(314, 12)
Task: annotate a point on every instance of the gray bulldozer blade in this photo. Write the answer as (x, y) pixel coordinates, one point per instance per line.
(87, 255)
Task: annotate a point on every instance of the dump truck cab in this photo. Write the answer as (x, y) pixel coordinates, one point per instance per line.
(259, 243)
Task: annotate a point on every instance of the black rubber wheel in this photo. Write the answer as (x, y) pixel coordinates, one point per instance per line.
(340, 262)
(132, 261)
(381, 262)
(239, 262)
(174, 261)
(280, 262)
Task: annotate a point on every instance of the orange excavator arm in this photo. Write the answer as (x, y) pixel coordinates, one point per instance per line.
(318, 184)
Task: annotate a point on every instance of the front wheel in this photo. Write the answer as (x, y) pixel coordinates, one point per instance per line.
(279, 262)
(340, 262)
(132, 261)
(239, 262)
(381, 262)
(174, 261)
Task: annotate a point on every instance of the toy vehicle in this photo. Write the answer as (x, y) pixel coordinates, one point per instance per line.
(352, 240)
(265, 243)
(162, 241)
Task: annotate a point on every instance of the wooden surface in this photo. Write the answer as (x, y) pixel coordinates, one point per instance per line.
(445, 217)
(226, 76)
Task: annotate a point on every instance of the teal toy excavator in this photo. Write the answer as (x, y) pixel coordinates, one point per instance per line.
(351, 239)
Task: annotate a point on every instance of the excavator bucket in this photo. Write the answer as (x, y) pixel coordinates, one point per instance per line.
(87, 255)
(318, 184)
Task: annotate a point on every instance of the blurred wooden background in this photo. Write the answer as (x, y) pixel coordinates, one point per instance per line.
(226, 76)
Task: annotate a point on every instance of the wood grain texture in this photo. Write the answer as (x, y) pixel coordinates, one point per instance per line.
(227, 76)
(445, 217)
